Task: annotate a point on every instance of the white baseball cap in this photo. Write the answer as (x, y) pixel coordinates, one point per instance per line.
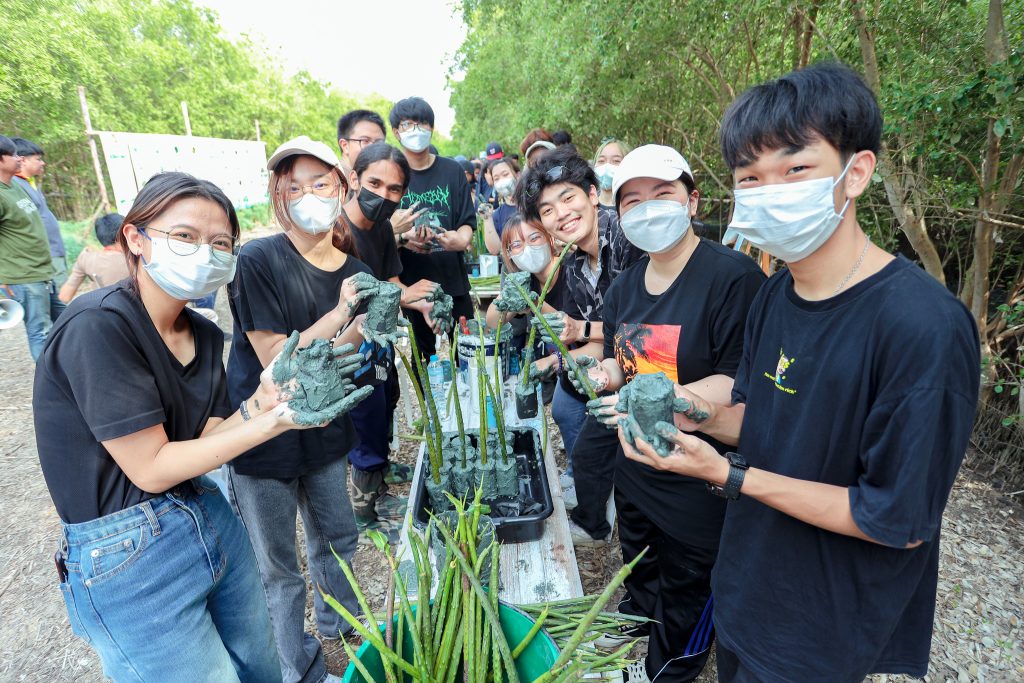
(303, 145)
(650, 161)
(539, 144)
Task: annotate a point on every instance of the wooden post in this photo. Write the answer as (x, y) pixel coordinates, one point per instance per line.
(257, 130)
(184, 113)
(104, 199)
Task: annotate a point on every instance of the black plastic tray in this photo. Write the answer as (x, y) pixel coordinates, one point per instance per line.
(530, 459)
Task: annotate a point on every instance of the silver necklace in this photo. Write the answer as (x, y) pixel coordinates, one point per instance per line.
(856, 267)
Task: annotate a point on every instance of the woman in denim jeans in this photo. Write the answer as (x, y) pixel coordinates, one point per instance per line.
(131, 409)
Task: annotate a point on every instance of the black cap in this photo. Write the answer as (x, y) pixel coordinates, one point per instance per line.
(494, 151)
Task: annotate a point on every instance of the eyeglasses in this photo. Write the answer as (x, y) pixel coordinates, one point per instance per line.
(185, 241)
(363, 142)
(406, 126)
(321, 188)
(534, 240)
(535, 185)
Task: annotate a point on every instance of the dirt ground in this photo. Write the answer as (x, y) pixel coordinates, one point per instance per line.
(978, 630)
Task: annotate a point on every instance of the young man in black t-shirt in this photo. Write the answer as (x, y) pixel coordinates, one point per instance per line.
(433, 250)
(856, 396)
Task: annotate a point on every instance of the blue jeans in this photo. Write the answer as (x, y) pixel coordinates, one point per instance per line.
(167, 590)
(568, 412)
(372, 420)
(34, 297)
(60, 276)
(267, 508)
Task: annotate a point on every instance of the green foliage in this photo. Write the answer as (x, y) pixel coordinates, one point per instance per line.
(77, 235)
(138, 60)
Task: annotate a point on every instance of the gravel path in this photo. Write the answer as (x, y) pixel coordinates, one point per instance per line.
(978, 630)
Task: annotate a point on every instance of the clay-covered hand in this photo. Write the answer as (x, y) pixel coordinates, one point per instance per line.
(402, 220)
(441, 308)
(418, 240)
(568, 329)
(451, 240)
(418, 292)
(515, 287)
(596, 374)
(541, 370)
(691, 411)
(608, 410)
(317, 379)
(685, 454)
(354, 290)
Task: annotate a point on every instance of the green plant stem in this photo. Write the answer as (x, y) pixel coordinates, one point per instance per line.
(432, 452)
(570, 361)
(540, 305)
(454, 360)
(537, 624)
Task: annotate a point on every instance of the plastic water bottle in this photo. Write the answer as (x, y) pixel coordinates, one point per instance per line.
(444, 355)
(435, 375)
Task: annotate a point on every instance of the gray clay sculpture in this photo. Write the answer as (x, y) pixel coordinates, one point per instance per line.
(649, 400)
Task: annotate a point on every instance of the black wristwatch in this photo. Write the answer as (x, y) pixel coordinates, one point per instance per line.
(586, 332)
(737, 471)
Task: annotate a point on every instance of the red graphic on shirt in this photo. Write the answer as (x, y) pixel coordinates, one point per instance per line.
(642, 349)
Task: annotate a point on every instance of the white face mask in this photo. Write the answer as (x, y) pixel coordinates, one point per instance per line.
(188, 277)
(605, 175)
(533, 259)
(415, 140)
(505, 186)
(656, 225)
(789, 220)
(315, 215)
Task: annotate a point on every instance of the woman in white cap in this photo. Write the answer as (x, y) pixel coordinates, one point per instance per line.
(297, 279)
(680, 312)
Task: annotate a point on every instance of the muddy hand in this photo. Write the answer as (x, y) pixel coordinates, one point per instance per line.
(540, 373)
(607, 410)
(691, 410)
(332, 411)
(282, 370)
(347, 360)
(556, 321)
(595, 373)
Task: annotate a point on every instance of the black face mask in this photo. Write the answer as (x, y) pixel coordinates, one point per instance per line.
(375, 207)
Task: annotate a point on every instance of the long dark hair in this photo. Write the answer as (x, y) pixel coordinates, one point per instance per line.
(382, 151)
(156, 196)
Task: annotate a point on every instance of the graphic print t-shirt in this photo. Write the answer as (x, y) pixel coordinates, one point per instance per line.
(692, 330)
(441, 189)
(873, 390)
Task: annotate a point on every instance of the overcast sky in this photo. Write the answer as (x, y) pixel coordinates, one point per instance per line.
(397, 48)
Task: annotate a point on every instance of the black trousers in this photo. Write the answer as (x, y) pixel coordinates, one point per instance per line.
(593, 466)
(425, 340)
(731, 670)
(672, 585)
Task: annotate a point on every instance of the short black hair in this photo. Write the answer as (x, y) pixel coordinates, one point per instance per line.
(7, 147)
(26, 148)
(561, 137)
(828, 99)
(411, 108)
(560, 165)
(347, 122)
(107, 227)
(382, 151)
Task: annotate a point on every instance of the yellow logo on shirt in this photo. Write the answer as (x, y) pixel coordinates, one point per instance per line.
(780, 369)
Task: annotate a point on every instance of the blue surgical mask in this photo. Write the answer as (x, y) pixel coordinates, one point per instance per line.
(415, 140)
(605, 175)
(656, 225)
(188, 277)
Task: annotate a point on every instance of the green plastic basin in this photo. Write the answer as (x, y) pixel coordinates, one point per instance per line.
(534, 661)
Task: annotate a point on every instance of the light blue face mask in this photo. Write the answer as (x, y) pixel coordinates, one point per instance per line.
(415, 140)
(605, 175)
(656, 225)
(191, 276)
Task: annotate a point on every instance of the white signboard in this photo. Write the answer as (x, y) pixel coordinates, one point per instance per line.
(239, 167)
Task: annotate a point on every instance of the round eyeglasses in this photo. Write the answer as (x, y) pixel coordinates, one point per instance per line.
(185, 241)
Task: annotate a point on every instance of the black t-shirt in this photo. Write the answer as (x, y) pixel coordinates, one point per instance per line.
(441, 189)
(106, 373)
(376, 248)
(277, 290)
(873, 390)
(693, 330)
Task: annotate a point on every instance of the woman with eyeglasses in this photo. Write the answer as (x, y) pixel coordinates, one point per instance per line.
(606, 159)
(505, 173)
(297, 279)
(131, 408)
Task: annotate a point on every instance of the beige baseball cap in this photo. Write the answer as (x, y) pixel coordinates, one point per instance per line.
(650, 161)
(303, 145)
